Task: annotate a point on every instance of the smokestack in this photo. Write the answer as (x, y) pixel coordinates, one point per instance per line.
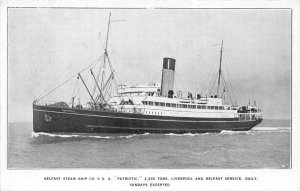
(167, 79)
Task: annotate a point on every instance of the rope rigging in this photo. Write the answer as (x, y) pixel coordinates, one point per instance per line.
(227, 90)
(84, 69)
(106, 85)
(213, 82)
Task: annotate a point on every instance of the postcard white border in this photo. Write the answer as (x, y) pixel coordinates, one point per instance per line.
(268, 179)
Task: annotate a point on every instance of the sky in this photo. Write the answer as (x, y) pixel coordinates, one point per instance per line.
(46, 46)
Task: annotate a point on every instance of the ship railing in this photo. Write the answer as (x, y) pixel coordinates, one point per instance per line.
(60, 104)
(136, 110)
(249, 116)
(50, 103)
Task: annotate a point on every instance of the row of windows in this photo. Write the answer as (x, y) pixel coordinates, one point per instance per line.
(185, 114)
(182, 105)
(153, 112)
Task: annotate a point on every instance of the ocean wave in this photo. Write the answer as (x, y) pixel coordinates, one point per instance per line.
(253, 131)
(186, 134)
(180, 135)
(227, 132)
(257, 130)
(265, 128)
(272, 129)
(39, 134)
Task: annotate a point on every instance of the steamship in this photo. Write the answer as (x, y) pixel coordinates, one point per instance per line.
(142, 108)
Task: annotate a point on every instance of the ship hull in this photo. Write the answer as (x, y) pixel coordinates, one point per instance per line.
(68, 120)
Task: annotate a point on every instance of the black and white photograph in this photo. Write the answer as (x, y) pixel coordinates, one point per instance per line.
(137, 88)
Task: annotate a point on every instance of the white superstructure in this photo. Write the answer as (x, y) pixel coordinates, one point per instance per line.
(145, 99)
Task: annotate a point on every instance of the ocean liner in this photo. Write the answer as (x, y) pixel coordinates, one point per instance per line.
(137, 108)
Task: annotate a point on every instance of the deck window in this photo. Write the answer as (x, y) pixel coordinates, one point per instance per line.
(189, 106)
(129, 102)
(198, 106)
(203, 106)
(162, 104)
(210, 107)
(150, 102)
(184, 106)
(216, 107)
(173, 105)
(156, 103)
(194, 106)
(168, 104)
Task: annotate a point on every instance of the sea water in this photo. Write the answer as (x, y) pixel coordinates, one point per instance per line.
(265, 146)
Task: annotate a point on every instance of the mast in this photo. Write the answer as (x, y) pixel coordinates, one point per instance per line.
(220, 69)
(97, 86)
(79, 76)
(105, 53)
(107, 32)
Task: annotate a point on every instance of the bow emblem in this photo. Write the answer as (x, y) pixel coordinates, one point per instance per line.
(47, 118)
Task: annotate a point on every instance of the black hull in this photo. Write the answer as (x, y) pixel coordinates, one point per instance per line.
(67, 120)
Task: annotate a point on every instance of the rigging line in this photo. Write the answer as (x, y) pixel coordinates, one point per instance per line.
(206, 81)
(105, 53)
(95, 87)
(227, 89)
(42, 96)
(111, 39)
(107, 84)
(61, 74)
(85, 78)
(96, 61)
(207, 84)
(214, 45)
(107, 90)
(113, 72)
(109, 62)
(73, 93)
(157, 74)
(87, 89)
(202, 62)
(101, 43)
(75, 88)
(109, 33)
(112, 75)
(117, 21)
(180, 80)
(98, 76)
(230, 86)
(96, 83)
(114, 79)
(213, 84)
(210, 84)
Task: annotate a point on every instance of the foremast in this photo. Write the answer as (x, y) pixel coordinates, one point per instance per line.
(220, 69)
(103, 86)
(105, 53)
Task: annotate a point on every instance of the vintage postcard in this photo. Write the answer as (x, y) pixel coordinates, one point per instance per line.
(153, 95)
